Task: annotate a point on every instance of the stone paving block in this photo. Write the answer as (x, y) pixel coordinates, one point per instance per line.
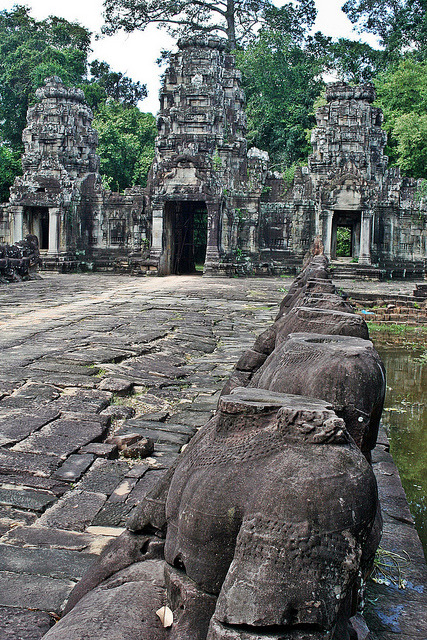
(83, 400)
(101, 449)
(62, 437)
(136, 424)
(41, 592)
(53, 563)
(17, 424)
(24, 498)
(138, 470)
(144, 485)
(163, 460)
(64, 380)
(118, 386)
(21, 624)
(74, 467)
(75, 511)
(37, 391)
(192, 418)
(104, 476)
(49, 538)
(35, 482)
(11, 517)
(158, 435)
(113, 515)
(118, 411)
(15, 461)
(88, 355)
(46, 364)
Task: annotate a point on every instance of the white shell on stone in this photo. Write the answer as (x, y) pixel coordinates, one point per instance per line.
(166, 616)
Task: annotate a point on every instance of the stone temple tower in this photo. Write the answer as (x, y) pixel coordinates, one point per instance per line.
(55, 197)
(348, 165)
(201, 155)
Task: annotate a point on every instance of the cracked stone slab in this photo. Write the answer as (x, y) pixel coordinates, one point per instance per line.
(22, 624)
(41, 592)
(24, 498)
(75, 511)
(53, 563)
(11, 518)
(62, 437)
(47, 537)
(35, 482)
(17, 424)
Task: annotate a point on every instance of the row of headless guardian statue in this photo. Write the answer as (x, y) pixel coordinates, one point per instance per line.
(267, 525)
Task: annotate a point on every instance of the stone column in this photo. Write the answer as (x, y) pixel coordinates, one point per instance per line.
(327, 232)
(53, 231)
(365, 238)
(212, 248)
(157, 234)
(17, 219)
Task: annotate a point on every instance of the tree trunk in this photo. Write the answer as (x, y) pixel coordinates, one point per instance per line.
(231, 24)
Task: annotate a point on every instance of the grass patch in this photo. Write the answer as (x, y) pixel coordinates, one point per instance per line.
(413, 338)
(389, 568)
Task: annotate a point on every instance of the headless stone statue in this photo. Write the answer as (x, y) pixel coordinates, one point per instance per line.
(265, 518)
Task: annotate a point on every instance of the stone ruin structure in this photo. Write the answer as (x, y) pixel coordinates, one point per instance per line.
(268, 523)
(210, 201)
(59, 198)
(20, 261)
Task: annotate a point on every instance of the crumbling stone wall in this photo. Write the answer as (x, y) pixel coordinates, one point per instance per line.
(209, 200)
(201, 158)
(58, 193)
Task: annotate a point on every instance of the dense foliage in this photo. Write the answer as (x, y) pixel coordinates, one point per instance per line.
(281, 80)
(402, 95)
(282, 66)
(237, 20)
(401, 25)
(32, 50)
(126, 144)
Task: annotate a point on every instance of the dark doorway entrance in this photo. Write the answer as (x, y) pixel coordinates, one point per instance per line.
(37, 223)
(346, 235)
(185, 237)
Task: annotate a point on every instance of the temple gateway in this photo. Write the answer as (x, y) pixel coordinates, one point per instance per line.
(211, 203)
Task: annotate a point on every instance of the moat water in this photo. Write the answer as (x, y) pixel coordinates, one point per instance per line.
(405, 420)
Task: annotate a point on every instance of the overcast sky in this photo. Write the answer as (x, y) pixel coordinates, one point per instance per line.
(135, 54)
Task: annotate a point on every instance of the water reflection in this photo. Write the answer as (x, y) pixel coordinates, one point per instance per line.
(405, 419)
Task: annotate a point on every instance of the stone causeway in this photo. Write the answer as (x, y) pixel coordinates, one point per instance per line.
(86, 361)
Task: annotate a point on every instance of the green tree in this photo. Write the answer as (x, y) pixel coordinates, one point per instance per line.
(354, 61)
(281, 79)
(105, 83)
(400, 24)
(10, 166)
(126, 144)
(402, 95)
(30, 51)
(235, 19)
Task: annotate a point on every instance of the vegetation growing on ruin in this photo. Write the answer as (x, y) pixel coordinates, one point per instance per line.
(282, 63)
(32, 50)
